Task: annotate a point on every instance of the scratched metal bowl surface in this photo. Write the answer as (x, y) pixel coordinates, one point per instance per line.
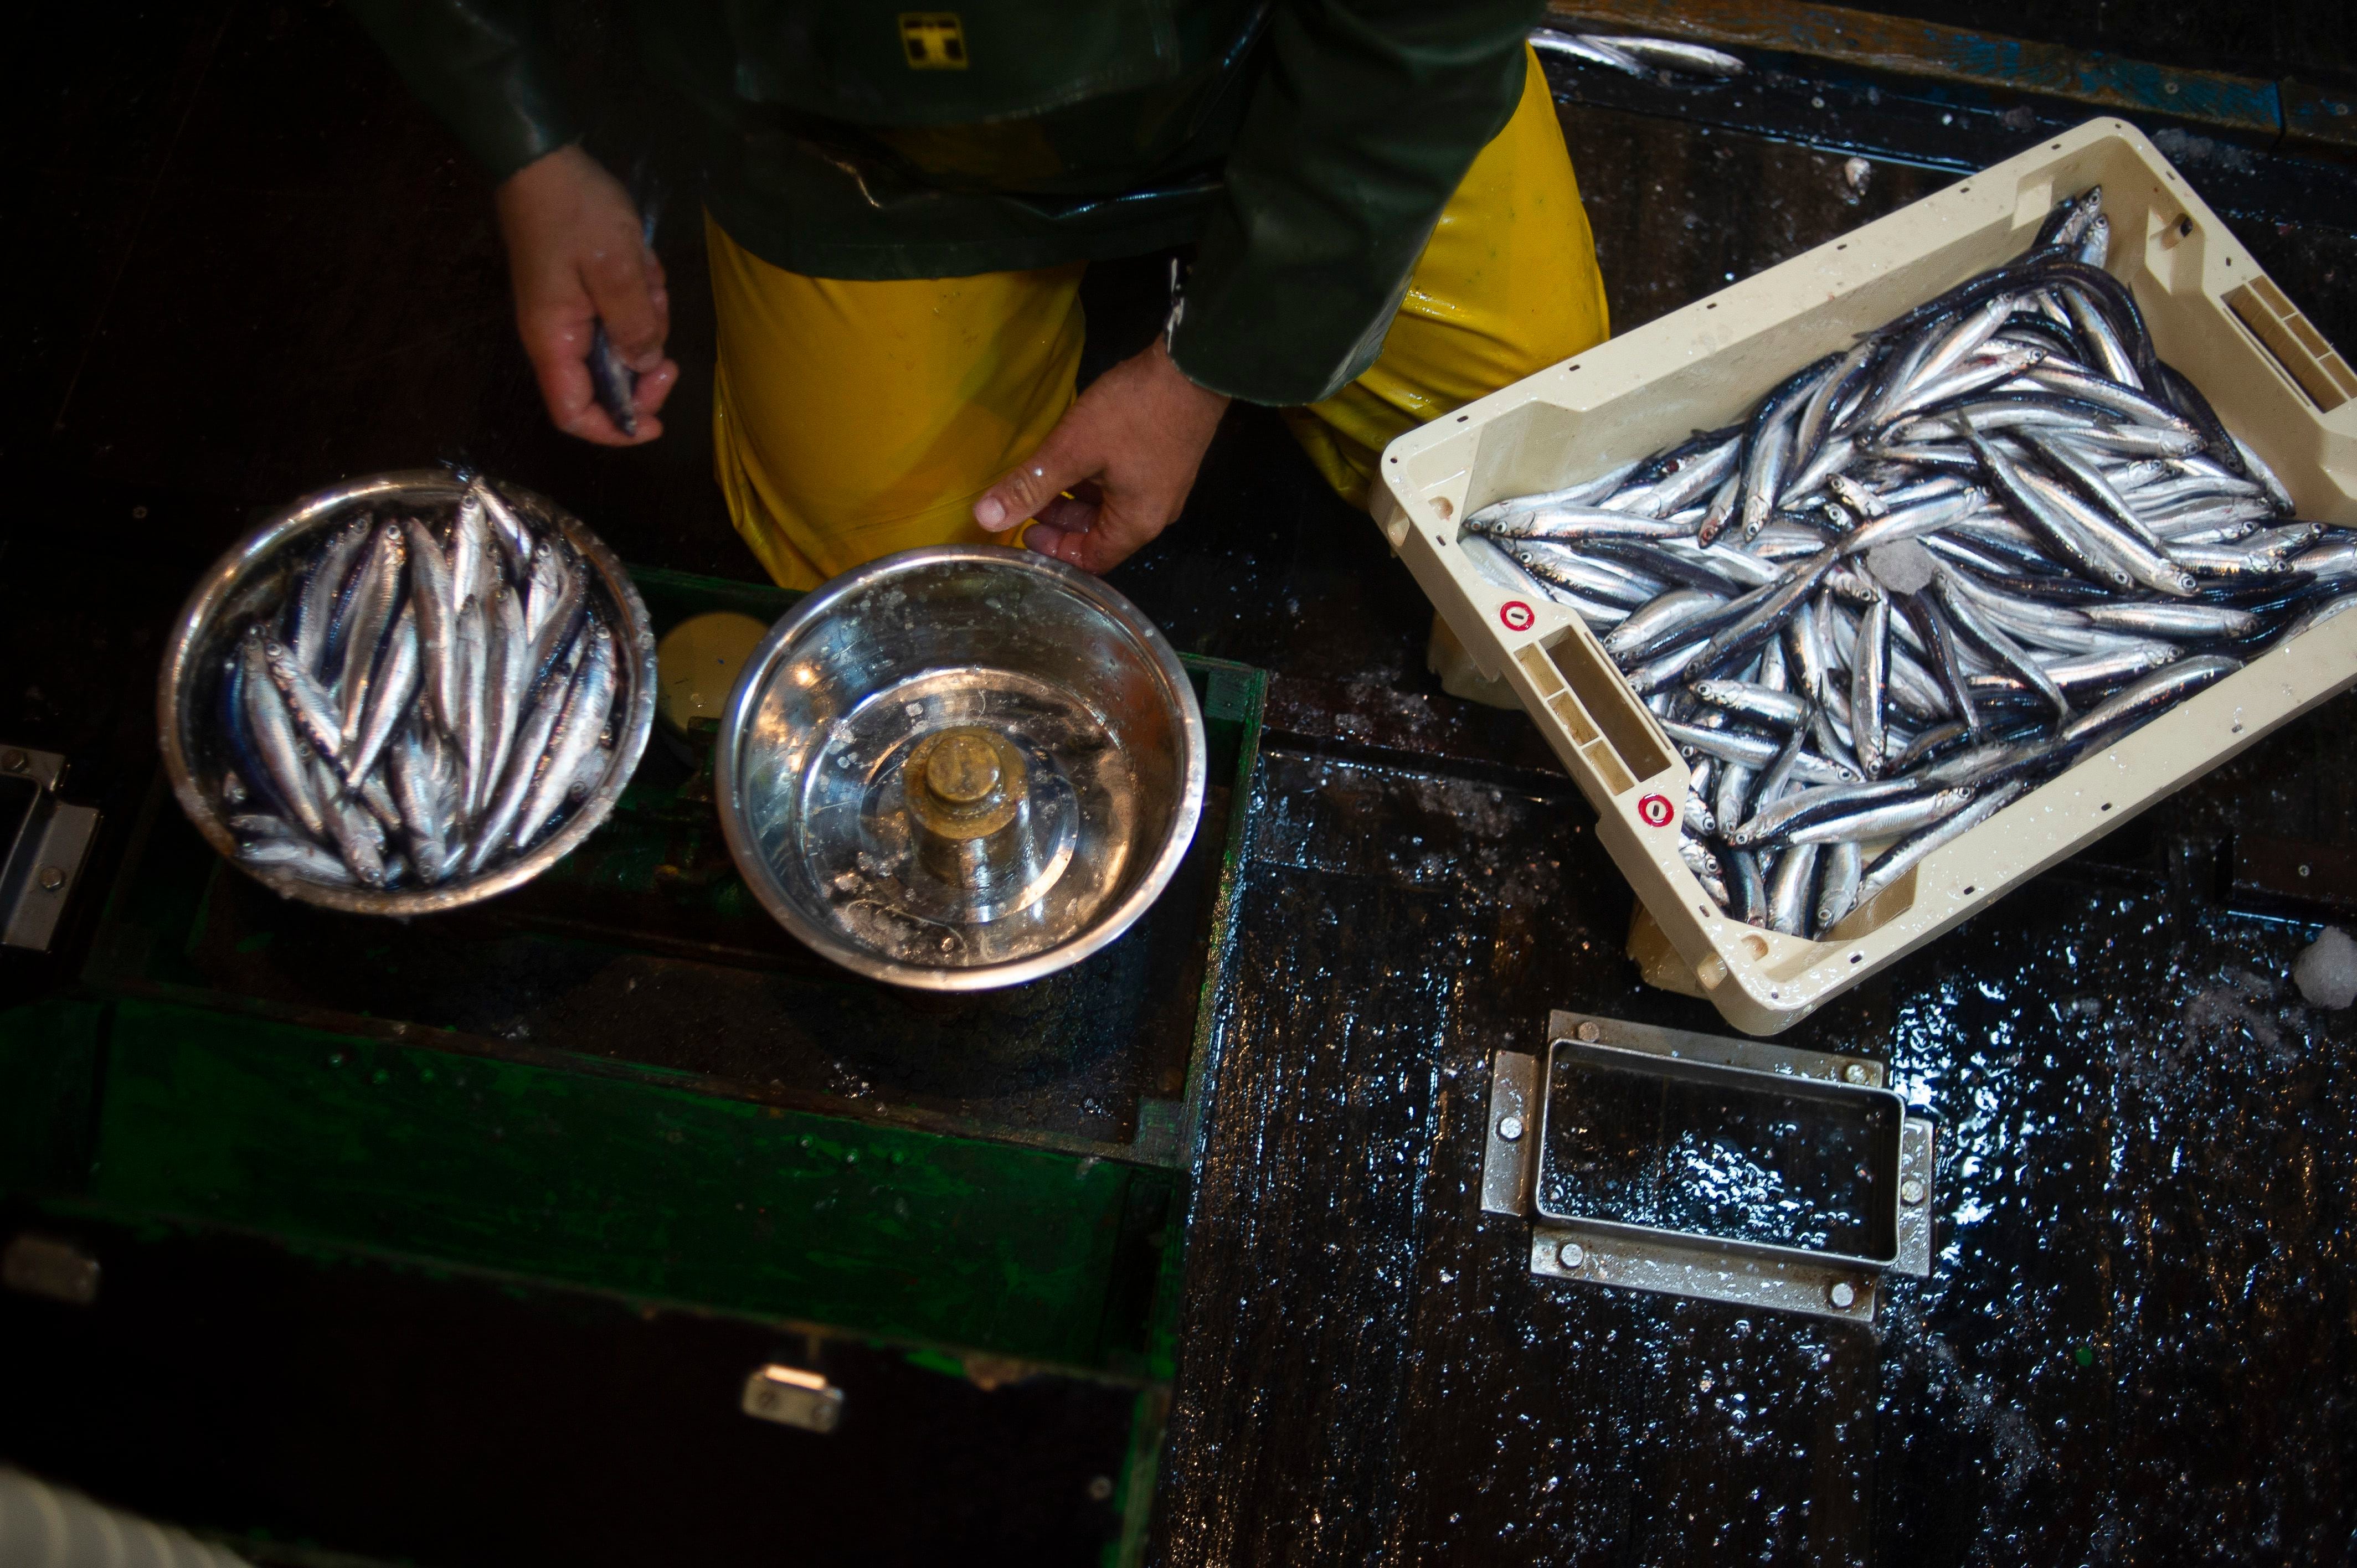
(253, 577)
(1010, 639)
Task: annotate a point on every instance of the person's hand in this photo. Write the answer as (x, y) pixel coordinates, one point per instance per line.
(576, 253)
(1126, 450)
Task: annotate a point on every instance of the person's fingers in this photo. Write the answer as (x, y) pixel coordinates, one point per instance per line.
(630, 299)
(653, 387)
(558, 363)
(1116, 538)
(1070, 513)
(558, 349)
(1063, 460)
(1045, 538)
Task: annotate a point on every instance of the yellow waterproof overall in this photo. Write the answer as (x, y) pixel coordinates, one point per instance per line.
(852, 419)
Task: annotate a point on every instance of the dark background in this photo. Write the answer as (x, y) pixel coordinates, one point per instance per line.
(2314, 41)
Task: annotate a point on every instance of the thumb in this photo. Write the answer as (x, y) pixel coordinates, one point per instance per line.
(1061, 462)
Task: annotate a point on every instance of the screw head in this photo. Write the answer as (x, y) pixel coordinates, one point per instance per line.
(1590, 1033)
(1571, 1255)
(1843, 1294)
(49, 878)
(1911, 1191)
(1854, 1073)
(1100, 1488)
(1509, 1128)
(14, 761)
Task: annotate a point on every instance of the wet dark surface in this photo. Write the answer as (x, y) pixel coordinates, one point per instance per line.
(1784, 180)
(2308, 40)
(261, 268)
(2134, 1344)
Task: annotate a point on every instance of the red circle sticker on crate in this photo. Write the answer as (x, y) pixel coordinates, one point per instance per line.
(1517, 615)
(1656, 810)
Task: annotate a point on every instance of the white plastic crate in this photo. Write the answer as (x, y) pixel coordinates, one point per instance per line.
(2212, 314)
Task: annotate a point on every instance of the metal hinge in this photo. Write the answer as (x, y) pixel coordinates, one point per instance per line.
(46, 841)
(1540, 1163)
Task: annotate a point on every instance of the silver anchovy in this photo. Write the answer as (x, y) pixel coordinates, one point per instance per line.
(1664, 617)
(1588, 51)
(1782, 709)
(1890, 819)
(437, 612)
(322, 588)
(286, 758)
(298, 855)
(357, 835)
(1869, 683)
(1563, 523)
(1904, 856)
(1670, 54)
(544, 583)
(2162, 689)
(472, 728)
(586, 711)
(2203, 623)
(1789, 888)
(373, 596)
(1845, 864)
(547, 707)
(507, 682)
(473, 573)
(391, 690)
(515, 540)
(263, 825)
(416, 789)
(2265, 476)
(559, 623)
(315, 711)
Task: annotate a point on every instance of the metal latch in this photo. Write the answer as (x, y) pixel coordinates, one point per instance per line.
(793, 1397)
(47, 839)
(1701, 1166)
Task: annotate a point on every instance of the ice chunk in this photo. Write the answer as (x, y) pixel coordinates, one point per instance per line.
(2327, 972)
(1902, 566)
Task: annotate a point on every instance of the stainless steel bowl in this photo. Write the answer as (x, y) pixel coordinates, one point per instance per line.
(254, 576)
(960, 767)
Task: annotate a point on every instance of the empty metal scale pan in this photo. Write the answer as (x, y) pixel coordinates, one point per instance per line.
(960, 767)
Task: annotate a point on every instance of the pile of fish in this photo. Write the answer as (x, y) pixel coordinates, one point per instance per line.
(430, 698)
(1926, 574)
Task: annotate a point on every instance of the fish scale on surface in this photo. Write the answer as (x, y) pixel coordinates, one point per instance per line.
(2091, 546)
(385, 724)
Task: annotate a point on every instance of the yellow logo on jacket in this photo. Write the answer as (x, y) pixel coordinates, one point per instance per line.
(935, 40)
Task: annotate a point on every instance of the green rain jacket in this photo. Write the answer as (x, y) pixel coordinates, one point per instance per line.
(1305, 147)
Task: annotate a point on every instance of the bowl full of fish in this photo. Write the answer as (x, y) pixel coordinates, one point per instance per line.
(407, 694)
(1923, 576)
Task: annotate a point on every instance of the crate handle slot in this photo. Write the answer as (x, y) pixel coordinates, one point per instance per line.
(1608, 723)
(2300, 348)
